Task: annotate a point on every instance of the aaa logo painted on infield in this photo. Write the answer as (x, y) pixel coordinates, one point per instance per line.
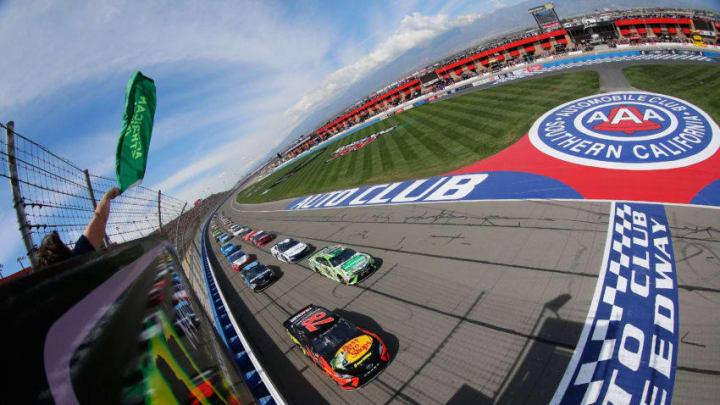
(628, 131)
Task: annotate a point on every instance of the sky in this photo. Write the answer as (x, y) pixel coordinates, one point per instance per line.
(233, 78)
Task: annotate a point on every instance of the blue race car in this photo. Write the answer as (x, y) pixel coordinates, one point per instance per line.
(229, 248)
(223, 237)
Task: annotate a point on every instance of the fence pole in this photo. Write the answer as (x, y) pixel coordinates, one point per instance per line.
(17, 196)
(159, 213)
(177, 228)
(106, 240)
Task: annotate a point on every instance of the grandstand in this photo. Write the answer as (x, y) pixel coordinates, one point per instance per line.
(602, 29)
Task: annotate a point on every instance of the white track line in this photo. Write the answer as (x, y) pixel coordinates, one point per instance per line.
(236, 209)
(570, 370)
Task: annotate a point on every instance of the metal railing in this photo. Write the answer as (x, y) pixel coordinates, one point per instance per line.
(51, 193)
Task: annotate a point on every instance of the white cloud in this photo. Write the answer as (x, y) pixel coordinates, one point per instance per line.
(61, 45)
(414, 30)
(236, 156)
(497, 3)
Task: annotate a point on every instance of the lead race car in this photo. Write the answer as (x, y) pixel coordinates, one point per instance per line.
(342, 264)
(289, 250)
(350, 355)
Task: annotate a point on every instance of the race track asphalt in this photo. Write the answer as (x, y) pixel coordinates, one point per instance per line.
(478, 302)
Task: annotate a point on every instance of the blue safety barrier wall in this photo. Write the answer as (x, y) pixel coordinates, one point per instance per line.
(590, 58)
(247, 363)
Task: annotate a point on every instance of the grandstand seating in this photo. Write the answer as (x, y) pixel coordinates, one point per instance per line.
(630, 26)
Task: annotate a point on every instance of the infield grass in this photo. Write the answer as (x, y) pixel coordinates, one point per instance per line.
(698, 84)
(430, 139)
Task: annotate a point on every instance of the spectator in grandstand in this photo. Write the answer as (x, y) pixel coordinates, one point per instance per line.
(52, 249)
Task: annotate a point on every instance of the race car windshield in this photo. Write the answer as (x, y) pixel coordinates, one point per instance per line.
(260, 235)
(342, 257)
(255, 271)
(332, 339)
(287, 245)
(236, 255)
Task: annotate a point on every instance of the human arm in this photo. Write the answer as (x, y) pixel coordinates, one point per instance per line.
(95, 230)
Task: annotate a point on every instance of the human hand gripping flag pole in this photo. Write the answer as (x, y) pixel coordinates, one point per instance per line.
(136, 131)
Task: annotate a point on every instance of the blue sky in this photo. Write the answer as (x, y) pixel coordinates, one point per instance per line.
(233, 77)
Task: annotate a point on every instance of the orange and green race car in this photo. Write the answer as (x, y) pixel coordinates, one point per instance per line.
(349, 355)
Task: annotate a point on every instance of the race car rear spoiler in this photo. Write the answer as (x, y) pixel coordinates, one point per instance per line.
(299, 314)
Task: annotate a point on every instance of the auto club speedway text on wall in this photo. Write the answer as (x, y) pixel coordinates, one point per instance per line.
(627, 352)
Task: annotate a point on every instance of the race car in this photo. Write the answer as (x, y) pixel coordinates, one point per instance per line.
(289, 250)
(249, 235)
(237, 230)
(262, 238)
(350, 355)
(257, 277)
(152, 326)
(156, 295)
(234, 256)
(242, 261)
(185, 319)
(161, 275)
(342, 264)
(223, 237)
(179, 296)
(229, 248)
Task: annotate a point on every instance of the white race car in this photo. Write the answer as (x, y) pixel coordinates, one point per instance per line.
(237, 230)
(289, 250)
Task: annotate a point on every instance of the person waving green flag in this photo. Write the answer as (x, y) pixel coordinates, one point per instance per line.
(134, 141)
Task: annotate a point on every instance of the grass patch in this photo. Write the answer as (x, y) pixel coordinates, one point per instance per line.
(431, 139)
(697, 84)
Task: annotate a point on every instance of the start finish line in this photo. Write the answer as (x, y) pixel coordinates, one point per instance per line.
(627, 352)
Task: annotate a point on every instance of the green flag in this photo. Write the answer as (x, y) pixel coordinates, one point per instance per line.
(134, 141)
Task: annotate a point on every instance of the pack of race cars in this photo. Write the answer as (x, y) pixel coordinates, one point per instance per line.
(351, 356)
